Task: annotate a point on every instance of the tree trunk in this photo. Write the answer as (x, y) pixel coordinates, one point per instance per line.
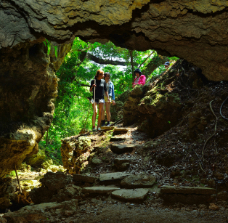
(132, 64)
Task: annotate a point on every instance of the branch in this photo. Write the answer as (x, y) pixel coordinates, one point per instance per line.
(146, 59)
(104, 61)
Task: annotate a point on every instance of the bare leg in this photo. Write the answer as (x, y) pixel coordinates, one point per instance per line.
(103, 112)
(94, 114)
(108, 113)
(101, 105)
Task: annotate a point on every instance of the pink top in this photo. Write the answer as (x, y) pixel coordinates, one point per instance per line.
(141, 80)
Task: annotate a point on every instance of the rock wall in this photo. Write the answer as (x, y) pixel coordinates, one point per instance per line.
(193, 30)
(28, 87)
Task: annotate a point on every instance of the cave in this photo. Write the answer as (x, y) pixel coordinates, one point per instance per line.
(191, 30)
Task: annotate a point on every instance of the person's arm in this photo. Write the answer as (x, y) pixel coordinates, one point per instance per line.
(113, 95)
(92, 85)
(142, 80)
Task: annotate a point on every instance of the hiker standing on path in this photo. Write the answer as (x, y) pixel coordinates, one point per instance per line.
(99, 85)
(140, 79)
(108, 101)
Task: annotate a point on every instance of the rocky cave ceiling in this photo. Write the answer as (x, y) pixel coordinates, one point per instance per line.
(194, 30)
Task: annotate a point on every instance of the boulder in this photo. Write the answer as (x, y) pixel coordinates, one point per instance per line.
(41, 212)
(51, 184)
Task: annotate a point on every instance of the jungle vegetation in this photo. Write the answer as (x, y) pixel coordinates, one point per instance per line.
(73, 111)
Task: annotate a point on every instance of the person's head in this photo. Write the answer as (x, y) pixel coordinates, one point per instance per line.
(137, 72)
(99, 74)
(167, 64)
(107, 76)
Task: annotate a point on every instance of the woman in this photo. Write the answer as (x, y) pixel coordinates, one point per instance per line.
(111, 94)
(140, 79)
(99, 85)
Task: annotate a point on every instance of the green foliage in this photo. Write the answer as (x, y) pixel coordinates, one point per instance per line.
(56, 51)
(48, 45)
(73, 110)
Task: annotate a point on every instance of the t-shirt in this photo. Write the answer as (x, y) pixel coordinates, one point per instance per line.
(99, 89)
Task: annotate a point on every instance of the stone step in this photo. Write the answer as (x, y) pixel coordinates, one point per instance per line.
(117, 138)
(187, 190)
(119, 161)
(99, 189)
(122, 164)
(187, 195)
(119, 149)
(107, 128)
(113, 176)
(84, 178)
(131, 195)
(119, 131)
(138, 181)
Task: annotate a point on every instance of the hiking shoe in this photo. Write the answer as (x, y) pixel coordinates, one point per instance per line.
(108, 124)
(94, 129)
(102, 123)
(98, 129)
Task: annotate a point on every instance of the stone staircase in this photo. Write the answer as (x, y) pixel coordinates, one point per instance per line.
(129, 187)
(124, 185)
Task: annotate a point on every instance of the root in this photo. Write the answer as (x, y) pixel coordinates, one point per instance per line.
(221, 109)
(18, 181)
(216, 121)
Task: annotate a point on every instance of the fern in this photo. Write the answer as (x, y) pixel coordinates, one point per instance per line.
(48, 45)
(56, 51)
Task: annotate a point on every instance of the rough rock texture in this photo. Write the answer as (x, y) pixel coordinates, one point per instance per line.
(135, 195)
(41, 212)
(75, 152)
(187, 195)
(5, 189)
(99, 189)
(138, 181)
(28, 87)
(158, 106)
(188, 29)
(55, 187)
(192, 29)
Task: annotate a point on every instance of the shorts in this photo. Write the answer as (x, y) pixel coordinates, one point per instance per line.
(98, 101)
(107, 100)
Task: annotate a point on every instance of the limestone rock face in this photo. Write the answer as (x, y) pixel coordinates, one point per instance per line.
(28, 87)
(192, 29)
(75, 153)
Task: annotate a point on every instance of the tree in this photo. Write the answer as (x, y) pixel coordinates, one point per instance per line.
(73, 110)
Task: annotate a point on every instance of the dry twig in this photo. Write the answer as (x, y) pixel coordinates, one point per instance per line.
(216, 121)
(221, 109)
(18, 181)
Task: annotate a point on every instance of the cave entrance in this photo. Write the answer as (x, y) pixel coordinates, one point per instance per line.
(73, 111)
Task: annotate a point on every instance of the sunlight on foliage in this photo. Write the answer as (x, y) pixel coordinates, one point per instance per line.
(73, 109)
